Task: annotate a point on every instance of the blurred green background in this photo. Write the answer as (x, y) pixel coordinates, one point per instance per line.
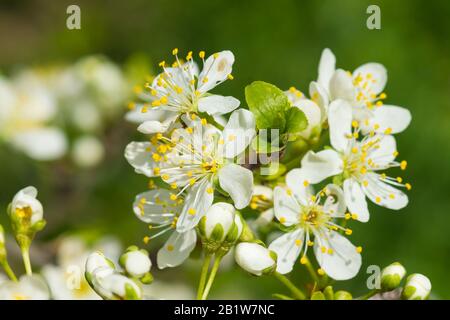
(275, 41)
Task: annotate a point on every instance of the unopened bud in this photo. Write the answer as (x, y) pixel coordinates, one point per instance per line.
(391, 276)
(136, 262)
(342, 295)
(255, 258)
(417, 287)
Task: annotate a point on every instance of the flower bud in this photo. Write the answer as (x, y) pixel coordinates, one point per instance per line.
(318, 295)
(221, 227)
(111, 285)
(417, 287)
(26, 214)
(391, 276)
(255, 258)
(136, 262)
(97, 260)
(342, 295)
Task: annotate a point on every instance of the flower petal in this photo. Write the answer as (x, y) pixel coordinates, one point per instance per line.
(197, 202)
(376, 75)
(341, 86)
(155, 206)
(139, 157)
(295, 181)
(327, 66)
(383, 194)
(155, 126)
(343, 262)
(312, 113)
(385, 152)
(288, 248)
(340, 121)
(287, 208)
(356, 200)
(388, 118)
(320, 96)
(318, 166)
(217, 105)
(237, 181)
(335, 202)
(176, 249)
(238, 133)
(215, 70)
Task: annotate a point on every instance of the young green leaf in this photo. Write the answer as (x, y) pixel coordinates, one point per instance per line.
(295, 120)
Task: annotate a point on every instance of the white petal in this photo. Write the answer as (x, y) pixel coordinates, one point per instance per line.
(356, 200)
(155, 206)
(383, 194)
(335, 201)
(327, 66)
(288, 248)
(260, 190)
(384, 154)
(196, 204)
(318, 166)
(176, 249)
(341, 86)
(237, 181)
(154, 126)
(320, 96)
(238, 133)
(253, 257)
(312, 113)
(42, 143)
(139, 157)
(215, 70)
(286, 207)
(137, 116)
(217, 105)
(377, 79)
(295, 181)
(344, 262)
(392, 118)
(340, 121)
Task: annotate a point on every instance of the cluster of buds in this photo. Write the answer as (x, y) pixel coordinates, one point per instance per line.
(107, 282)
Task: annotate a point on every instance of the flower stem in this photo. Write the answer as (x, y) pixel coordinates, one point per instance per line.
(9, 271)
(294, 290)
(368, 294)
(312, 272)
(212, 275)
(204, 272)
(26, 260)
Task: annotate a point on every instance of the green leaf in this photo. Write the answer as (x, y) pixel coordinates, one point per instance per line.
(268, 104)
(261, 145)
(295, 120)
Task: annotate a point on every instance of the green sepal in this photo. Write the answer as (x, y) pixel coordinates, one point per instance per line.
(147, 278)
(130, 293)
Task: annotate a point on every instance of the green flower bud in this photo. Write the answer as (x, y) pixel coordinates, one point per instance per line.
(318, 296)
(329, 293)
(417, 287)
(391, 276)
(136, 262)
(342, 295)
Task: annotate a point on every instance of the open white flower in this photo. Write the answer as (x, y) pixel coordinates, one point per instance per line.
(27, 288)
(181, 89)
(359, 163)
(363, 90)
(25, 208)
(311, 220)
(161, 209)
(194, 157)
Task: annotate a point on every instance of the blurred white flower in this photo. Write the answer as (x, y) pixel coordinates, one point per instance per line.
(27, 288)
(87, 151)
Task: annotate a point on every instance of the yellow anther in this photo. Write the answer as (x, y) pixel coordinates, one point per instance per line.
(146, 239)
(304, 260)
(282, 219)
(162, 64)
(330, 251)
(156, 171)
(189, 56)
(170, 247)
(383, 96)
(189, 130)
(298, 242)
(165, 177)
(191, 211)
(320, 272)
(204, 121)
(173, 197)
(359, 249)
(365, 183)
(355, 124)
(310, 243)
(403, 165)
(377, 199)
(399, 179)
(192, 181)
(205, 80)
(388, 131)
(305, 183)
(348, 232)
(216, 55)
(201, 54)
(231, 137)
(230, 77)
(289, 192)
(156, 157)
(354, 149)
(173, 186)
(175, 51)
(323, 249)
(408, 186)
(354, 216)
(221, 141)
(347, 216)
(131, 106)
(210, 190)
